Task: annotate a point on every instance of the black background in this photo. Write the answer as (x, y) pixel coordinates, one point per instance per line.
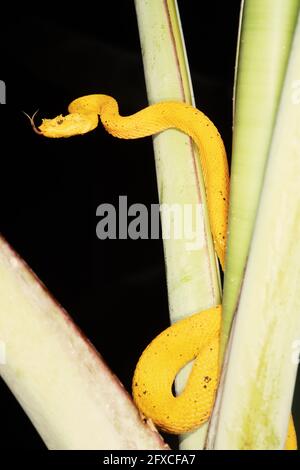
(114, 290)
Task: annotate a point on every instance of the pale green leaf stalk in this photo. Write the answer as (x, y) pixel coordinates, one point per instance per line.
(263, 349)
(265, 37)
(192, 275)
(61, 382)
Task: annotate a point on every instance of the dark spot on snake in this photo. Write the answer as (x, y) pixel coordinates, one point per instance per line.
(144, 392)
(136, 384)
(204, 386)
(59, 121)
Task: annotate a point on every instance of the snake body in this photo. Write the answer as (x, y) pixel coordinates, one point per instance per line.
(195, 337)
(156, 118)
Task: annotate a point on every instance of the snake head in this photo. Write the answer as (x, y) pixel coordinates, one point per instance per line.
(67, 126)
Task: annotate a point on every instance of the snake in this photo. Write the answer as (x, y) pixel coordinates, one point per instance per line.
(196, 337)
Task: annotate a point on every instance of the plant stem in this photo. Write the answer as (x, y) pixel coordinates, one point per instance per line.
(258, 382)
(192, 276)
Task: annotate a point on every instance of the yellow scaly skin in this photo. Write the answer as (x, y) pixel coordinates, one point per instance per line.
(195, 337)
(83, 118)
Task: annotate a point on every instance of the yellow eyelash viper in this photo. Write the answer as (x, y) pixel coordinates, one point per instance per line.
(195, 337)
